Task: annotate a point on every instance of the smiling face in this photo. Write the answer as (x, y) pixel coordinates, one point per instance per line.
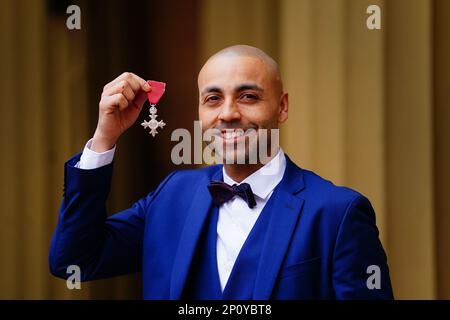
(238, 92)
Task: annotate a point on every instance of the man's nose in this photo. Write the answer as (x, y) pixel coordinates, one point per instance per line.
(229, 112)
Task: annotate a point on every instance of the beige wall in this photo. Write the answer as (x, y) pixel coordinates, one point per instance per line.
(41, 127)
(409, 148)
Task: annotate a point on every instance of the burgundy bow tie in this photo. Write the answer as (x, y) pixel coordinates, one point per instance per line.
(222, 192)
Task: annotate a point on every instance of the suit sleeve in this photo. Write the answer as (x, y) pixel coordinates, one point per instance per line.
(100, 246)
(360, 269)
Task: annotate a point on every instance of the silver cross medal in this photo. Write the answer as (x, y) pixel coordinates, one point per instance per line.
(154, 95)
(153, 124)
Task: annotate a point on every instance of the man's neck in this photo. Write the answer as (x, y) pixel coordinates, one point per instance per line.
(239, 172)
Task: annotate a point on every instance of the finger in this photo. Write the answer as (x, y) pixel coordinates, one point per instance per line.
(120, 87)
(128, 93)
(115, 100)
(136, 82)
(139, 100)
(111, 84)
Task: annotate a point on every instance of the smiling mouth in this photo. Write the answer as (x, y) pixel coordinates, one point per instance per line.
(233, 135)
(230, 134)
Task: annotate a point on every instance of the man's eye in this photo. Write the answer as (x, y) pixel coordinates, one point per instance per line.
(212, 99)
(249, 96)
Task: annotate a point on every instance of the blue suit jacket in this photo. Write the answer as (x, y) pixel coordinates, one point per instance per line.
(319, 243)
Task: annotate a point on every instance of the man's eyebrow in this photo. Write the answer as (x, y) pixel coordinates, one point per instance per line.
(212, 89)
(239, 88)
(249, 86)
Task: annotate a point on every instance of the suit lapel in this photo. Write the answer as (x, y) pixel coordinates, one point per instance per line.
(195, 220)
(287, 208)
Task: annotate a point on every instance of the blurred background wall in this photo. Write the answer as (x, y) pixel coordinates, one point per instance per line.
(368, 109)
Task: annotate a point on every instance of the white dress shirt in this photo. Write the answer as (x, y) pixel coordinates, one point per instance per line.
(236, 219)
(92, 160)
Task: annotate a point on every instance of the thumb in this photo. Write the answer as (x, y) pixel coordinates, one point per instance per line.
(140, 99)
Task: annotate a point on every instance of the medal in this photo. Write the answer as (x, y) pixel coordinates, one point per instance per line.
(153, 96)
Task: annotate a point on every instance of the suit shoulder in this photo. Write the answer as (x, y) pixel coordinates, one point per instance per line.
(331, 203)
(328, 192)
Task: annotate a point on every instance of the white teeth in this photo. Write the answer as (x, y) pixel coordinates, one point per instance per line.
(232, 134)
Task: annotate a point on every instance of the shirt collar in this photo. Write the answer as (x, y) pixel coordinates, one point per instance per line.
(265, 179)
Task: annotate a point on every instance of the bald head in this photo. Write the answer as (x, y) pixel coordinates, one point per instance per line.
(270, 66)
(240, 88)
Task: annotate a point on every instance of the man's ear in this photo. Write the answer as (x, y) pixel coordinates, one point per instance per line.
(284, 107)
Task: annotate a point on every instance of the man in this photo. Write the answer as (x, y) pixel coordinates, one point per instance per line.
(227, 231)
